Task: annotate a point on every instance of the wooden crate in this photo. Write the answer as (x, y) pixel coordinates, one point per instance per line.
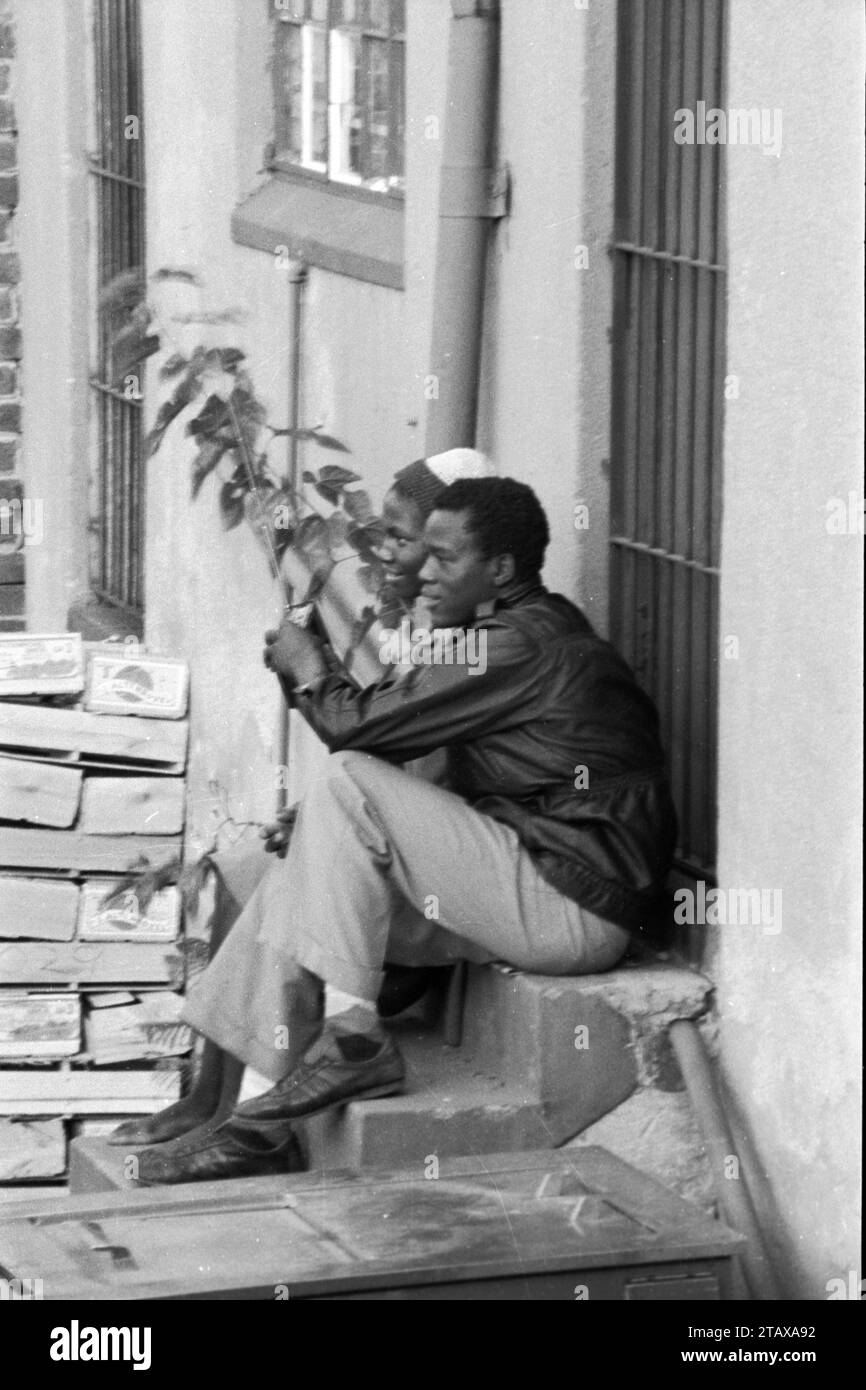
(31, 1149)
(125, 921)
(161, 744)
(88, 963)
(39, 1025)
(148, 1027)
(562, 1225)
(70, 849)
(80, 1091)
(132, 805)
(146, 686)
(41, 664)
(39, 793)
(44, 909)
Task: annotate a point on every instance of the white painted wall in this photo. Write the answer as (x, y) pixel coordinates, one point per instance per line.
(789, 791)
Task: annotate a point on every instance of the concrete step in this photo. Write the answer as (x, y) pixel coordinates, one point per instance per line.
(543, 1059)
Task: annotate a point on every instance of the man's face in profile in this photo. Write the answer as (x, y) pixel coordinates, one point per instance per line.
(455, 577)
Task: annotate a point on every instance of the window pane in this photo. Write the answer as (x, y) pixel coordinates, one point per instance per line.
(289, 70)
(378, 110)
(379, 15)
(319, 147)
(345, 122)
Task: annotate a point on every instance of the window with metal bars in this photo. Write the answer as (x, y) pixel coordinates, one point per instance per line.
(668, 390)
(339, 90)
(117, 169)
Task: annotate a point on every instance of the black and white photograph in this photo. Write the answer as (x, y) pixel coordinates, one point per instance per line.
(431, 557)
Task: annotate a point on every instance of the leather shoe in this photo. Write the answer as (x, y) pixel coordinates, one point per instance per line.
(340, 1067)
(224, 1152)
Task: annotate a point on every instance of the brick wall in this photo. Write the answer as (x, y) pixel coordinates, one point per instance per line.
(11, 558)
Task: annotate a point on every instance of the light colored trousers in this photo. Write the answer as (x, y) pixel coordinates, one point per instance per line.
(381, 865)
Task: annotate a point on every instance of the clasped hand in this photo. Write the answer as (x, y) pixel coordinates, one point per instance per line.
(294, 652)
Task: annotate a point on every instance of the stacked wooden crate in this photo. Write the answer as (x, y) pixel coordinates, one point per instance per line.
(93, 744)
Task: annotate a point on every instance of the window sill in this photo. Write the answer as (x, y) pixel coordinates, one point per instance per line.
(332, 226)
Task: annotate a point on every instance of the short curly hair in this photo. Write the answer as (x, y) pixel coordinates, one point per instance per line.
(505, 517)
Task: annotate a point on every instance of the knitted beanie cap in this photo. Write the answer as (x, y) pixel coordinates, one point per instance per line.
(425, 479)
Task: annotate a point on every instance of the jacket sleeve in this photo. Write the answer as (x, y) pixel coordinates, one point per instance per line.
(415, 709)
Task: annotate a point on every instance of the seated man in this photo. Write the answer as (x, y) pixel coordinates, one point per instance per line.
(551, 845)
(250, 980)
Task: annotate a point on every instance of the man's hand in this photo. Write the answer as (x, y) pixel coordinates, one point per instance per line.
(294, 652)
(277, 836)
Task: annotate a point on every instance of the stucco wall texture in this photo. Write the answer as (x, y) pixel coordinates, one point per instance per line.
(790, 724)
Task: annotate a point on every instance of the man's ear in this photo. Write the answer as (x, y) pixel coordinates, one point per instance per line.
(503, 569)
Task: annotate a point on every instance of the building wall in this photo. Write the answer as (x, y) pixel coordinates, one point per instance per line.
(790, 720)
(11, 490)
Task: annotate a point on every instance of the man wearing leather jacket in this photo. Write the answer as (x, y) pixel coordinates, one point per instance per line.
(549, 848)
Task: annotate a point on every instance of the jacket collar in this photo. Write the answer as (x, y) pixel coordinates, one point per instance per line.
(510, 596)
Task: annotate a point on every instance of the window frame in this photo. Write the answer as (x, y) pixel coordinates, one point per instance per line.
(301, 15)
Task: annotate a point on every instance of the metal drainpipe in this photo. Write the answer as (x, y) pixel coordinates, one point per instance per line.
(733, 1193)
(465, 209)
(297, 280)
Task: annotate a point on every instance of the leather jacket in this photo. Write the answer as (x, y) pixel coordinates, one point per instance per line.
(553, 737)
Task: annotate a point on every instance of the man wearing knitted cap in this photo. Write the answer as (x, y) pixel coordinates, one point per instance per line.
(551, 845)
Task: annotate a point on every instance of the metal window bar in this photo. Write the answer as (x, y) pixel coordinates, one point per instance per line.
(118, 172)
(668, 382)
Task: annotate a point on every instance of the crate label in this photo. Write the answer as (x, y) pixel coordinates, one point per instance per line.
(123, 920)
(41, 664)
(150, 686)
(39, 1024)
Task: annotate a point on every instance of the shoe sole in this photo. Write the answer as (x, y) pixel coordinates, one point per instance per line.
(392, 1088)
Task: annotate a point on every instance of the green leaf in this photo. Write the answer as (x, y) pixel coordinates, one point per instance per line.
(214, 415)
(172, 366)
(333, 473)
(338, 527)
(312, 534)
(186, 277)
(231, 505)
(328, 441)
(330, 492)
(209, 455)
(358, 506)
(371, 578)
(230, 357)
(184, 393)
(125, 290)
(129, 347)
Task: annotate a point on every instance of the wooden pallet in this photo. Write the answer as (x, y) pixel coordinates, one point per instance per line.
(46, 909)
(75, 1091)
(73, 734)
(70, 849)
(132, 805)
(41, 794)
(31, 1149)
(86, 963)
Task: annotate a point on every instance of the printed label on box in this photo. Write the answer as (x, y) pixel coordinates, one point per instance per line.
(151, 686)
(123, 920)
(34, 664)
(39, 1025)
